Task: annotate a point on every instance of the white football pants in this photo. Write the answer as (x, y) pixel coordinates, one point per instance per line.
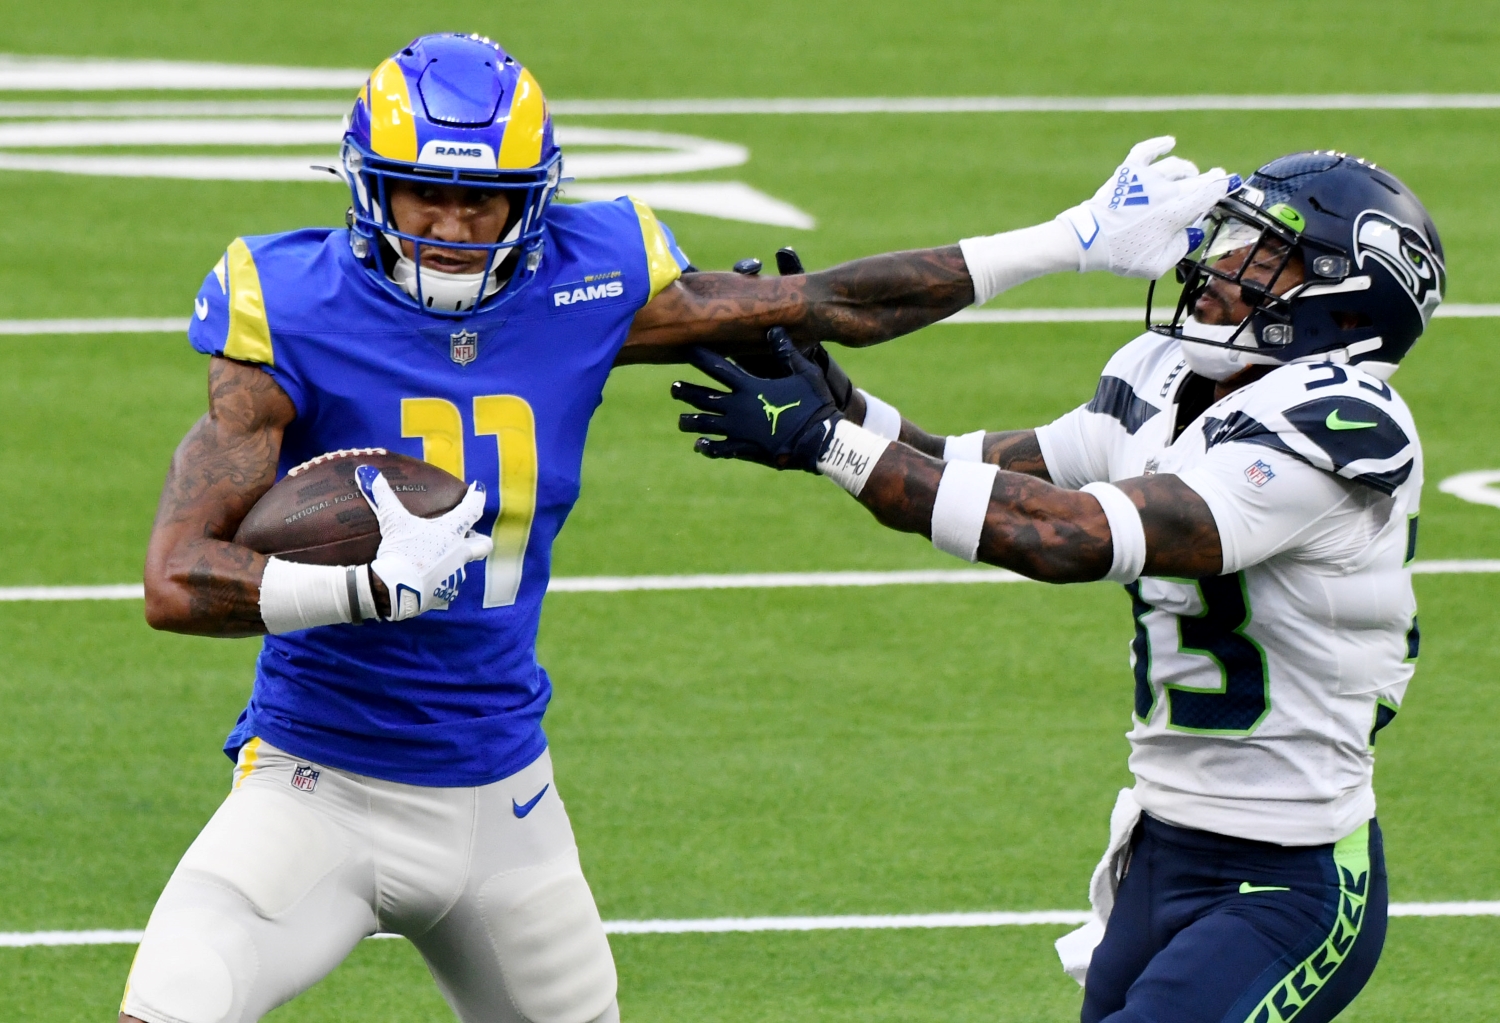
(302, 861)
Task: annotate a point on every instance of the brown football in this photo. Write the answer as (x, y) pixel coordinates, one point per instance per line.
(315, 514)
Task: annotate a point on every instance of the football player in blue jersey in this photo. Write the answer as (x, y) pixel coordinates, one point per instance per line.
(1250, 476)
(395, 777)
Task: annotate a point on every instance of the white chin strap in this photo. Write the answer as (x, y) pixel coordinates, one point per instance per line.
(450, 293)
(1220, 360)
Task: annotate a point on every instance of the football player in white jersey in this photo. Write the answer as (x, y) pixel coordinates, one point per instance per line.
(1250, 476)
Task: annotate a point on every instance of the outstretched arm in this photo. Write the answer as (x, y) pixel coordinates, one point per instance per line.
(1154, 524)
(197, 580)
(881, 297)
(859, 303)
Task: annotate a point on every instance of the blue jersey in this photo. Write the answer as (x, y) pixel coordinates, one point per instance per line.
(455, 697)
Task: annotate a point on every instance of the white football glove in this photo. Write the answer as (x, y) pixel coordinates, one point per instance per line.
(1146, 216)
(421, 561)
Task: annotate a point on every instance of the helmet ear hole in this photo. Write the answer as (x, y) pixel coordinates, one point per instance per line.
(1348, 320)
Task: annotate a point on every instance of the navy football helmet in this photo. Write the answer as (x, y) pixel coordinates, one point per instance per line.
(1371, 260)
(450, 109)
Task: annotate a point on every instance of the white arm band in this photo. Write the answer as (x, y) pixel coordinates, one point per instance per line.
(966, 447)
(295, 596)
(851, 457)
(998, 262)
(963, 499)
(881, 417)
(1126, 533)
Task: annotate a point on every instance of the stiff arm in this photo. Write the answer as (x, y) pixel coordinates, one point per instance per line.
(859, 303)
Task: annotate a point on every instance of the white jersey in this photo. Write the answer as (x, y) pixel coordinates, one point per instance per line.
(1259, 691)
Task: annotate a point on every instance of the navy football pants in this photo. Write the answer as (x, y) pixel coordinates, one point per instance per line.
(1212, 929)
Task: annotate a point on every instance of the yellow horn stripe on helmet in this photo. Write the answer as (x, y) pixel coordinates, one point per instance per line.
(393, 131)
(521, 145)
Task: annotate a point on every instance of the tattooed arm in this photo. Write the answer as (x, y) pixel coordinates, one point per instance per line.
(859, 303)
(1046, 532)
(197, 581)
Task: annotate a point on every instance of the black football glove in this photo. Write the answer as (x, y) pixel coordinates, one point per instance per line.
(789, 264)
(784, 422)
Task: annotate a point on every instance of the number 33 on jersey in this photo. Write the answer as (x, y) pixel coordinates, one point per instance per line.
(1258, 692)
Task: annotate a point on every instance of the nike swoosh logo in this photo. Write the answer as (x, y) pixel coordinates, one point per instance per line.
(522, 809)
(1333, 422)
(1246, 888)
(200, 306)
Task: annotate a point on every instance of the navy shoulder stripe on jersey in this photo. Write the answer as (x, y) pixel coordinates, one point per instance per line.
(1351, 430)
(1347, 429)
(1241, 427)
(1117, 399)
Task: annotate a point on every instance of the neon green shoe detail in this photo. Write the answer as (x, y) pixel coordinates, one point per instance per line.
(773, 413)
(1333, 422)
(1246, 888)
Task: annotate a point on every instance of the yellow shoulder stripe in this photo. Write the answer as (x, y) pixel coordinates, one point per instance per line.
(663, 268)
(521, 145)
(249, 338)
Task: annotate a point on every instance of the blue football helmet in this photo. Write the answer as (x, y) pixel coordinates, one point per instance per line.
(1371, 260)
(450, 109)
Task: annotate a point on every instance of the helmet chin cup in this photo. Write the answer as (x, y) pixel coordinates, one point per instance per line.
(1219, 351)
(1216, 362)
(444, 292)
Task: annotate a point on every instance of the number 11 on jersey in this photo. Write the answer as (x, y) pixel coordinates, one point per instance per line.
(507, 418)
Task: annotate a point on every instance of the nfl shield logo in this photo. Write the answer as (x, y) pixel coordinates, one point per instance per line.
(305, 778)
(463, 347)
(1259, 473)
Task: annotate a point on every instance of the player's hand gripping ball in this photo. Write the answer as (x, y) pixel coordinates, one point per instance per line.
(421, 561)
(784, 422)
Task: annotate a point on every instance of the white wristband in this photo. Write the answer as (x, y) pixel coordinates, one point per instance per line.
(998, 262)
(851, 457)
(1127, 535)
(963, 499)
(881, 418)
(966, 447)
(295, 596)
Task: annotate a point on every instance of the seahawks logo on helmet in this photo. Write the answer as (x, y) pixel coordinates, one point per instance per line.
(1405, 252)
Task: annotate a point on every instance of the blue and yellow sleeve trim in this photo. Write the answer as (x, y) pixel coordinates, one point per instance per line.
(661, 263)
(249, 337)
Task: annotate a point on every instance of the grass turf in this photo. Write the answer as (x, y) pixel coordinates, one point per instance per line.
(899, 750)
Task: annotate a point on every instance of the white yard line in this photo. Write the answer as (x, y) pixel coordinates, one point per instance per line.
(754, 924)
(1455, 567)
(123, 591)
(114, 325)
(778, 580)
(1105, 314)
(746, 581)
(1030, 104)
(1137, 314)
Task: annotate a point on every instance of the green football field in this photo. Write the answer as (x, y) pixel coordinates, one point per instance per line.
(754, 752)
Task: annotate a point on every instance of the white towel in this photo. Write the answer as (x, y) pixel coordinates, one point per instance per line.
(1076, 948)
